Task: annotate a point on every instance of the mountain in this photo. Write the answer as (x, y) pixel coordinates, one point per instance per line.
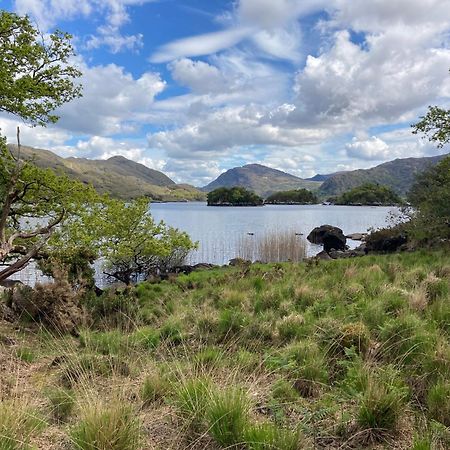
(260, 179)
(398, 174)
(117, 176)
(321, 177)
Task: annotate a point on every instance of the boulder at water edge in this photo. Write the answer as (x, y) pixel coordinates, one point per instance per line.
(331, 237)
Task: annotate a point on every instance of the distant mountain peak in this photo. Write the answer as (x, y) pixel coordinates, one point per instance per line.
(260, 179)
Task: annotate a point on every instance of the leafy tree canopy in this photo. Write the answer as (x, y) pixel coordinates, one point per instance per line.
(299, 196)
(235, 196)
(436, 125)
(369, 194)
(35, 77)
(430, 197)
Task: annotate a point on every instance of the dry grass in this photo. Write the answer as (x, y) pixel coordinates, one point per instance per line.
(273, 246)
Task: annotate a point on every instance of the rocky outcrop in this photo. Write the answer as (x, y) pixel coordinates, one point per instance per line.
(332, 238)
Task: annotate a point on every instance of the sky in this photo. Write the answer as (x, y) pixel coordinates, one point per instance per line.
(195, 87)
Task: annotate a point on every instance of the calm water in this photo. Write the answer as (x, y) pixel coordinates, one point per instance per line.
(220, 230)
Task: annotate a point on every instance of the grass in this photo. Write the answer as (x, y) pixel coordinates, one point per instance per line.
(109, 427)
(339, 354)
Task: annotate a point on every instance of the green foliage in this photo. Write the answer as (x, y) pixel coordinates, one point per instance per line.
(298, 196)
(436, 125)
(369, 194)
(134, 246)
(235, 196)
(430, 196)
(380, 406)
(115, 427)
(35, 77)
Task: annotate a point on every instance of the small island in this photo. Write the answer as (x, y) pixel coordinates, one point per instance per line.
(292, 197)
(235, 196)
(369, 194)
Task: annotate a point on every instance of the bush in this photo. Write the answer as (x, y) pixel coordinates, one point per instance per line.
(108, 428)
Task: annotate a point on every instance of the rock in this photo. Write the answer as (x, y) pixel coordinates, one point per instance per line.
(386, 240)
(10, 284)
(316, 236)
(239, 262)
(323, 255)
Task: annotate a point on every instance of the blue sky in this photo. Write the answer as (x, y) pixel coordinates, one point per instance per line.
(194, 87)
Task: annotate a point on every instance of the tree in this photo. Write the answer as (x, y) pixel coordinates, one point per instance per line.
(134, 246)
(35, 77)
(430, 197)
(369, 194)
(436, 125)
(235, 196)
(34, 203)
(297, 196)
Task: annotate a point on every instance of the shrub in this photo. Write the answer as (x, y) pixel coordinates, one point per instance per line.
(227, 417)
(108, 428)
(266, 436)
(438, 402)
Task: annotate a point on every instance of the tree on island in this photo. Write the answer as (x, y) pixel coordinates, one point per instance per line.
(235, 196)
(369, 194)
(52, 218)
(297, 196)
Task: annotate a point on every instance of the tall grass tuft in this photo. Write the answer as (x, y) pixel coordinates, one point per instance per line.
(266, 436)
(18, 423)
(111, 427)
(228, 417)
(272, 246)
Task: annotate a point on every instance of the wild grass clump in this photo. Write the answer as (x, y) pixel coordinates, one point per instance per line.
(192, 397)
(155, 388)
(19, 423)
(227, 417)
(267, 436)
(381, 406)
(107, 427)
(438, 402)
(62, 402)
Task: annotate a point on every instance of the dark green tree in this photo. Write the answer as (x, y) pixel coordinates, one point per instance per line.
(35, 74)
(235, 196)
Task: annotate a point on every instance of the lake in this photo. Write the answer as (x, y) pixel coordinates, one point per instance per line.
(220, 230)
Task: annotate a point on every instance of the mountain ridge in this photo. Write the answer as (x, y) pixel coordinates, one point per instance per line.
(118, 176)
(260, 179)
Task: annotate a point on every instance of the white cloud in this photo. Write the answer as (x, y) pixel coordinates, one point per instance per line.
(201, 77)
(113, 101)
(204, 44)
(373, 148)
(47, 13)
